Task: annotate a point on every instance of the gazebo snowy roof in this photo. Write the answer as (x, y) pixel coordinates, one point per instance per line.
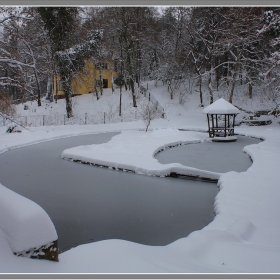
(221, 107)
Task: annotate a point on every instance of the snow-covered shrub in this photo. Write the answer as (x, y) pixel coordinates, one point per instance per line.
(182, 97)
(148, 112)
(112, 110)
(12, 127)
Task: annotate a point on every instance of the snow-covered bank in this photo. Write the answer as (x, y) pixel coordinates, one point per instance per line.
(25, 224)
(134, 151)
(47, 133)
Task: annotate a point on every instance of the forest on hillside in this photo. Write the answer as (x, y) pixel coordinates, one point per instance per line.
(212, 48)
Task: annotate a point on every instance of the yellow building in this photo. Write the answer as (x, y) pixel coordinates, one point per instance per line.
(91, 78)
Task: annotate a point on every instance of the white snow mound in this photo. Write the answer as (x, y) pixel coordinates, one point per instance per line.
(25, 224)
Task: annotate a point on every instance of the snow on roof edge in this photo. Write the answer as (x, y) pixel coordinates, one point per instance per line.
(221, 106)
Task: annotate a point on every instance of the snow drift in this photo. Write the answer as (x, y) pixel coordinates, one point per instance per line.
(27, 227)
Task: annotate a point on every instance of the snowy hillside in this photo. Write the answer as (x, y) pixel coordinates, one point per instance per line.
(87, 110)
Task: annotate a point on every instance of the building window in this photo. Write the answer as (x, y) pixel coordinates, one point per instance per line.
(103, 65)
(59, 85)
(98, 83)
(105, 83)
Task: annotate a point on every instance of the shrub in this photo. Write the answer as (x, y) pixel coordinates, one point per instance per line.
(148, 112)
(6, 105)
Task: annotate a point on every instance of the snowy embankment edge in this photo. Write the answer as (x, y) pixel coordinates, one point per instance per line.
(247, 208)
(125, 157)
(28, 228)
(172, 171)
(49, 133)
(51, 138)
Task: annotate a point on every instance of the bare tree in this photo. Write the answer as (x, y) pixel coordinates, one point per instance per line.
(148, 112)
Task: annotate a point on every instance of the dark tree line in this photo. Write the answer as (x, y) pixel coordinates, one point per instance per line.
(211, 48)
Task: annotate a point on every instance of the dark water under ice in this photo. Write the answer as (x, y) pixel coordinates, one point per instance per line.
(89, 204)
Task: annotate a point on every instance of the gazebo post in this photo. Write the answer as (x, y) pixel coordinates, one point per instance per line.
(233, 124)
(208, 125)
(225, 134)
(213, 130)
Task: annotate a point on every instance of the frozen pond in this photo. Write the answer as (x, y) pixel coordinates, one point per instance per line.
(88, 204)
(212, 156)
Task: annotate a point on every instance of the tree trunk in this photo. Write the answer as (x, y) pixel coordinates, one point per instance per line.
(120, 110)
(112, 81)
(217, 72)
(49, 88)
(38, 88)
(232, 88)
(233, 84)
(100, 78)
(235, 69)
(133, 92)
(200, 91)
(217, 78)
(250, 90)
(96, 91)
(210, 89)
(68, 96)
(125, 84)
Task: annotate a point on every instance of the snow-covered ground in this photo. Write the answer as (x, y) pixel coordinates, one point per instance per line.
(243, 238)
(27, 225)
(86, 110)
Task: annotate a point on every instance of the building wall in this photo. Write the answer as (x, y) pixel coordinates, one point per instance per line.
(84, 82)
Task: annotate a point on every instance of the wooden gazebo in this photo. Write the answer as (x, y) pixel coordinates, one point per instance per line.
(221, 117)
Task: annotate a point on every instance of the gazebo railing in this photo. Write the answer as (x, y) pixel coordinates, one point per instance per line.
(221, 131)
(218, 128)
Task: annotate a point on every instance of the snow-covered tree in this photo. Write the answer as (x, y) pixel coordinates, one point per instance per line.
(270, 32)
(148, 112)
(24, 56)
(60, 22)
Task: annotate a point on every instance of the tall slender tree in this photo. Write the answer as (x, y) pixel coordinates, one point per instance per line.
(60, 22)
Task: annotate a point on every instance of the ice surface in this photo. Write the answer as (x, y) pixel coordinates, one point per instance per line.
(217, 157)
